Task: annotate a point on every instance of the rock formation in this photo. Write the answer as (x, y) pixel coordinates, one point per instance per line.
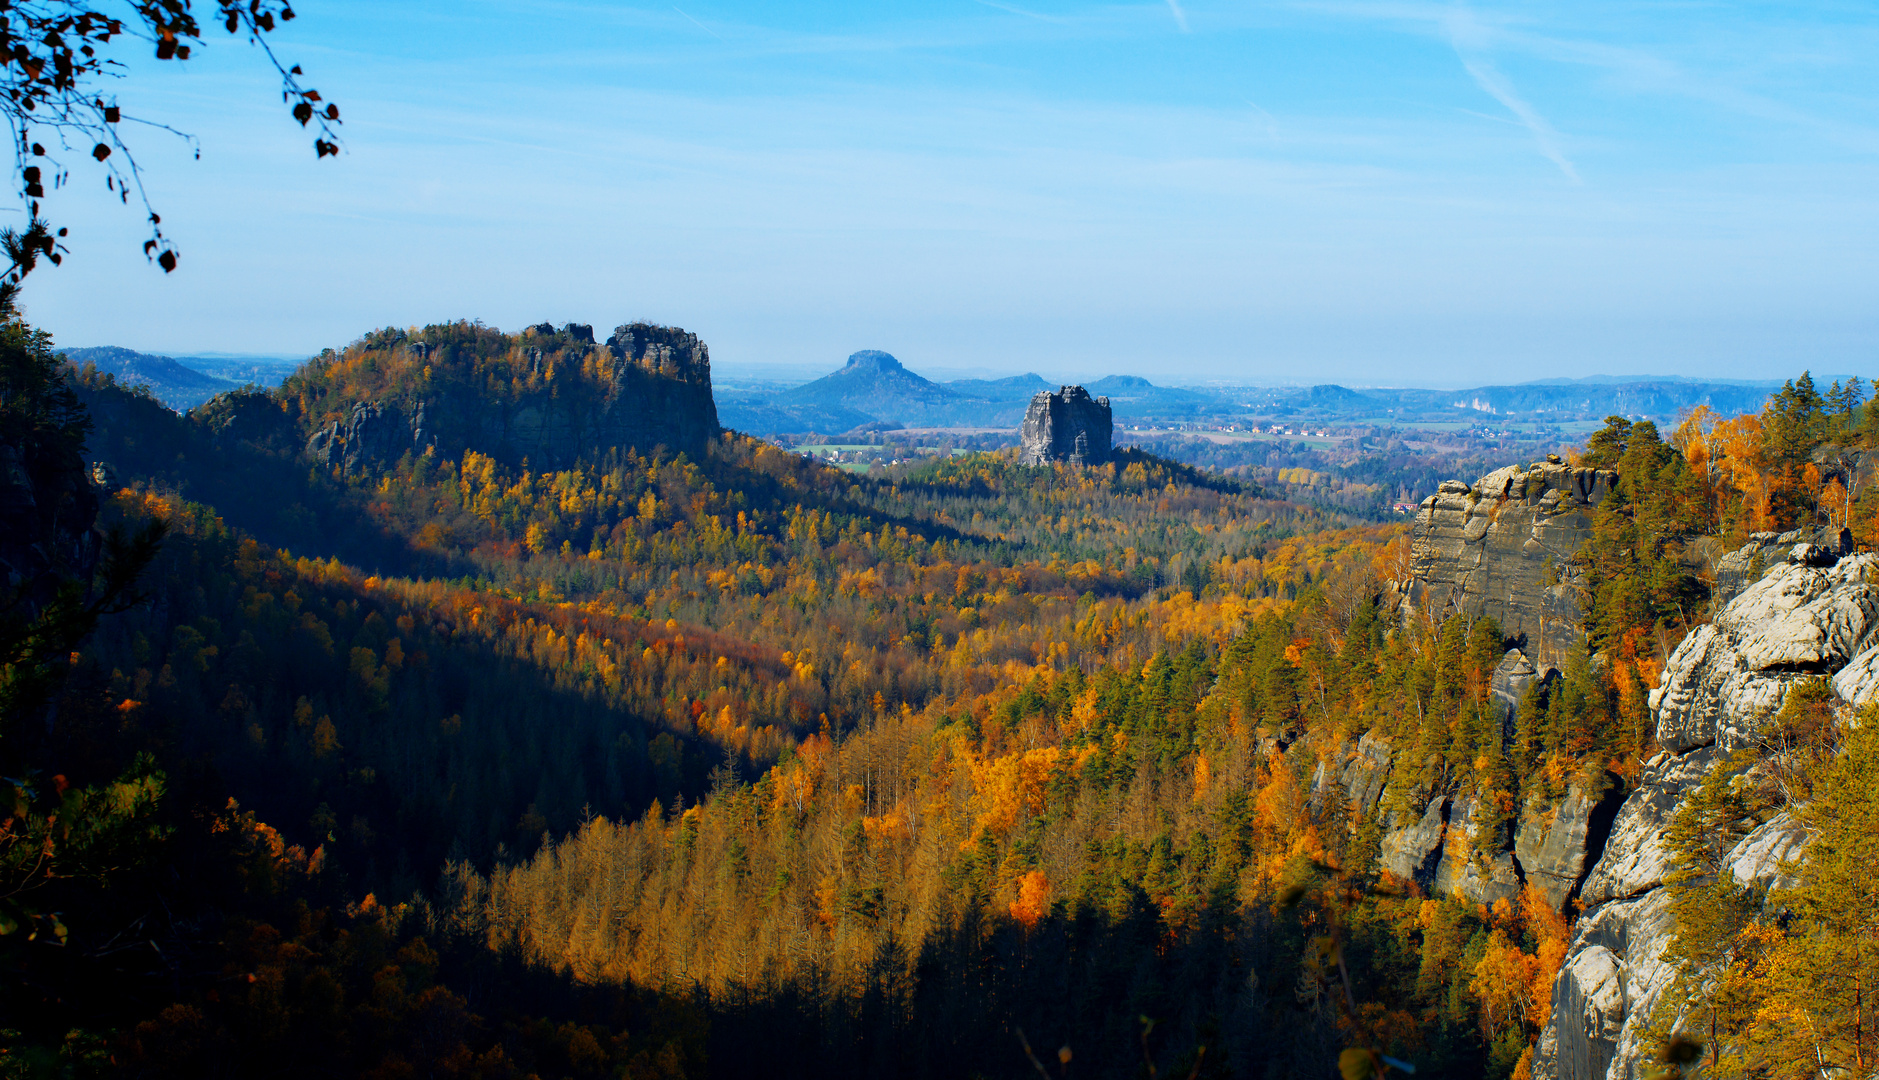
(657, 393)
(1812, 613)
(1501, 547)
(1434, 842)
(1068, 426)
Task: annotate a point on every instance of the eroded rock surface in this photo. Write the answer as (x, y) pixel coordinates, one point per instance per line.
(1810, 613)
(1553, 843)
(1413, 853)
(657, 393)
(1069, 426)
(1797, 622)
(1501, 547)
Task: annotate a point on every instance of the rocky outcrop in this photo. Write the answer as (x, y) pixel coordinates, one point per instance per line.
(1811, 613)
(247, 417)
(1474, 866)
(1414, 852)
(1553, 843)
(1436, 843)
(1742, 567)
(1068, 426)
(1800, 620)
(1501, 547)
(656, 392)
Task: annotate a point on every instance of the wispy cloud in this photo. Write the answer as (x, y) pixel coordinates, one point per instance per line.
(1470, 40)
(1039, 16)
(698, 24)
(1180, 16)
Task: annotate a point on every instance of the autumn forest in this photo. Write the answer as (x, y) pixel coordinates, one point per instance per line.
(656, 764)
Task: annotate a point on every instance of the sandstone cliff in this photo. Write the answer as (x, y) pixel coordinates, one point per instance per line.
(1501, 547)
(1067, 426)
(1436, 844)
(1812, 613)
(566, 396)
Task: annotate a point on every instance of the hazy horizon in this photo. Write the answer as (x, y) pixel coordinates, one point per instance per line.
(1369, 192)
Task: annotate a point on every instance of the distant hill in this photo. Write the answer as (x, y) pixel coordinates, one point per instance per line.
(1133, 397)
(875, 384)
(1016, 388)
(179, 387)
(763, 415)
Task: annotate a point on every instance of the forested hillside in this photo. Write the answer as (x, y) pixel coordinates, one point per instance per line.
(442, 759)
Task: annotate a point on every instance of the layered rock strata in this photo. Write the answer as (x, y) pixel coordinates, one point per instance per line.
(1810, 614)
(1501, 547)
(1068, 426)
(656, 392)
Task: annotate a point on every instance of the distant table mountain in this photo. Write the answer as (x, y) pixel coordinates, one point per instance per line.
(874, 383)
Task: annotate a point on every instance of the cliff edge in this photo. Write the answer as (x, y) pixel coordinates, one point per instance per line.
(1811, 614)
(1502, 547)
(546, 396)
(1069, 426)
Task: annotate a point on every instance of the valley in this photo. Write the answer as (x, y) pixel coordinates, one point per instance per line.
(486, 704)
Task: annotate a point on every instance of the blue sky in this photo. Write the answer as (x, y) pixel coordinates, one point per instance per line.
(1370, 193)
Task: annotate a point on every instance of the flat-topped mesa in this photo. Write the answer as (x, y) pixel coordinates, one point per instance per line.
(664, 350)
(1068, 426)
(1502, 547)
(655, 391)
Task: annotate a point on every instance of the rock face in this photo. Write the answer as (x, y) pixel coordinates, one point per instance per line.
(1414, 853)
(1436, 844)
(657, 393)
(1500, 547)
(1744, 566)
(1811, 613)
(1553, 843)
(1067, 426)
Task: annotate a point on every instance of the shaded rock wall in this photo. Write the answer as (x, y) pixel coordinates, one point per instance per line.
(1068, 426)
(657, 393)
(1436, 844)
(1810, 614)
(1501, 547)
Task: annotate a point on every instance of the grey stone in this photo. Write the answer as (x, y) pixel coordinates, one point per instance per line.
(1414, 852)
(1634, 860)
(1588, 1015)
(1758, 857)
(1512, 677)
(1796, 622)
(1471, 865)
(657, 393)
(1802, 617)
(1554, 844)
(1068, 426)
(1367, 772)
(1486, 548)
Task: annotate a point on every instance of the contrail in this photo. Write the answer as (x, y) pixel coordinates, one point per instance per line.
(1468, 39)
(1490, 79)
(1179, 15)
(699, 25)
